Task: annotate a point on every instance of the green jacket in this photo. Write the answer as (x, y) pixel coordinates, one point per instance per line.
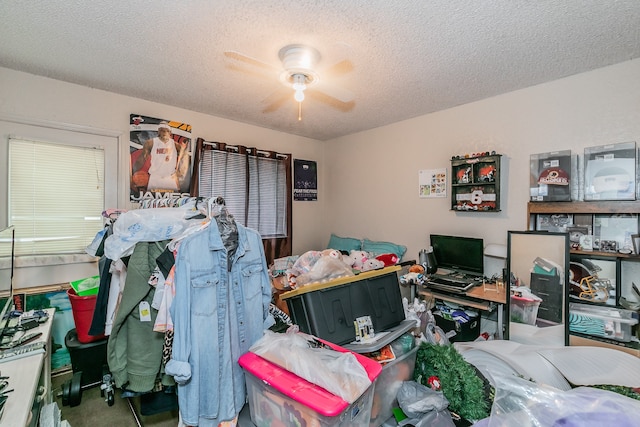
(134, 350)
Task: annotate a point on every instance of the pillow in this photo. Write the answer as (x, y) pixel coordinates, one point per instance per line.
(379, 248)
(344, 243)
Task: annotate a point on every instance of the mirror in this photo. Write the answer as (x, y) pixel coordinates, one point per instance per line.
(538, 275)
(7, 258)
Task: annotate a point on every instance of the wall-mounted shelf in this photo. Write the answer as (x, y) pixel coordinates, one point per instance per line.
(475, 184)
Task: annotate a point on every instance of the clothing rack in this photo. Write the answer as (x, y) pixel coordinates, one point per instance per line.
(168, 202)
(215, 206)
(212, 210)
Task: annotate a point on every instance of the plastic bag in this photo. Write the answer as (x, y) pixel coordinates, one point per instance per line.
(325, 268)
(339, 373)
(523, 403)
(148, 225)
(422, 406)
(93, 247)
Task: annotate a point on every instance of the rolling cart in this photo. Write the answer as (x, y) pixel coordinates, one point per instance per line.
(90, 369)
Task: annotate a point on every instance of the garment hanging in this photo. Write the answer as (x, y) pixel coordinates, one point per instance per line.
(134, 351)
(226, 226)
(218, 313)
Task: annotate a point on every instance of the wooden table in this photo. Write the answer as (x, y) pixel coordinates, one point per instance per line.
(485, 297)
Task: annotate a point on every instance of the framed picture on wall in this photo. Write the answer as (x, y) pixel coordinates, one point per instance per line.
(554, 222)
(537, 267)
(305, 180)
(160, 158)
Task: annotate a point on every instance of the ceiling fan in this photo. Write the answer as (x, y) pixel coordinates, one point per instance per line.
(298, 74)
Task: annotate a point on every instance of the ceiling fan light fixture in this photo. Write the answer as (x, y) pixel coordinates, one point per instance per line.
(298, 57)
(299, 86)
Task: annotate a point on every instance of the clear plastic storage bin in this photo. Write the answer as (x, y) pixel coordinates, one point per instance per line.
(524, 310)
(606, 322)
(279, 397)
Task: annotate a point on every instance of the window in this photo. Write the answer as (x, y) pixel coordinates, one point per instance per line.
(57, 185)
(56, 195)
(256, 187)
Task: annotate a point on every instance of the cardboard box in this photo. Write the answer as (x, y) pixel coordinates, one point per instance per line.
(467, 331)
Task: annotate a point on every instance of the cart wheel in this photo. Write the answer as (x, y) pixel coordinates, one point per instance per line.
(75, 390)
(66, 389)
(110, 398)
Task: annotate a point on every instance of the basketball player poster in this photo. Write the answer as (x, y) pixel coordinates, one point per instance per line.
(161, 154)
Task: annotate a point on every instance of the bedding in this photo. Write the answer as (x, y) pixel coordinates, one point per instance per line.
(375, 248)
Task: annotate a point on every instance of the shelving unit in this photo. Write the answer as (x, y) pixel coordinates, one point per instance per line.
(621, 266)
(475, 184)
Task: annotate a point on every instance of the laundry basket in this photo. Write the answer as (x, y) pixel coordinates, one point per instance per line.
(83, 308)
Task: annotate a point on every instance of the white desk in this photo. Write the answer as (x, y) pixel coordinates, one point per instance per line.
(30, 378)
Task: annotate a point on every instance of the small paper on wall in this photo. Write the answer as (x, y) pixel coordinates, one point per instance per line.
(432, 183)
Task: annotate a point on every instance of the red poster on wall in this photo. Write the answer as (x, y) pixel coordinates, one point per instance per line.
(161, 156)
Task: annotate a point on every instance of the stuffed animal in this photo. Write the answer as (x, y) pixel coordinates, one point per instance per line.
(333, 253)
(348, 260)
(388, 259)
(416, 278)
(416, 268)
(358, 257)
(372, 264)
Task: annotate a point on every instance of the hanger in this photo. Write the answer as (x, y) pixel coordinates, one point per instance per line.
(113, 213)
(216, 208)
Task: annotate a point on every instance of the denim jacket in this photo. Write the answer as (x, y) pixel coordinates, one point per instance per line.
(217, 315)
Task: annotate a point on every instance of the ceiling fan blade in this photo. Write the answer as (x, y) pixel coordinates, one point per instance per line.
(332, 102)
(249, 71)
(249, 60)
(336, 92)
(276, 100)
(338, 69)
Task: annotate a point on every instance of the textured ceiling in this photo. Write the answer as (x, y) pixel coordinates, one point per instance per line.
(399, 59)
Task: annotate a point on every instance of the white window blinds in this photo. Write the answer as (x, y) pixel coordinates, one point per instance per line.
(254, 189)
(56, 195)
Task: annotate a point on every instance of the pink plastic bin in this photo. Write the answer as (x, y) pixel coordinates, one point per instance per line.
(277, 394)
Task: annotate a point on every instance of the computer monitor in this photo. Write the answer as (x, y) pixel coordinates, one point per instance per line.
(464, 254)
(7, 263)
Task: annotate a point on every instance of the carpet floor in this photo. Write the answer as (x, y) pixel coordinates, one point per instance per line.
(94, 411)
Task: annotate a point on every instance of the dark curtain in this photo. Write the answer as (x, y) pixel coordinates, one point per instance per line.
(274, 247)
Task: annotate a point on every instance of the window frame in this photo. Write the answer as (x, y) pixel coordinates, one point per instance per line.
(66, 134)
(274, 247)
(242, 210)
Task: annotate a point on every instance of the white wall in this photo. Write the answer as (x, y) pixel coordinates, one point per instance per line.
(372, 187)
(368, 182)
(43, 99)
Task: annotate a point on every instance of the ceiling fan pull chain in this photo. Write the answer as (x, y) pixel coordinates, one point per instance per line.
(299, 111)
